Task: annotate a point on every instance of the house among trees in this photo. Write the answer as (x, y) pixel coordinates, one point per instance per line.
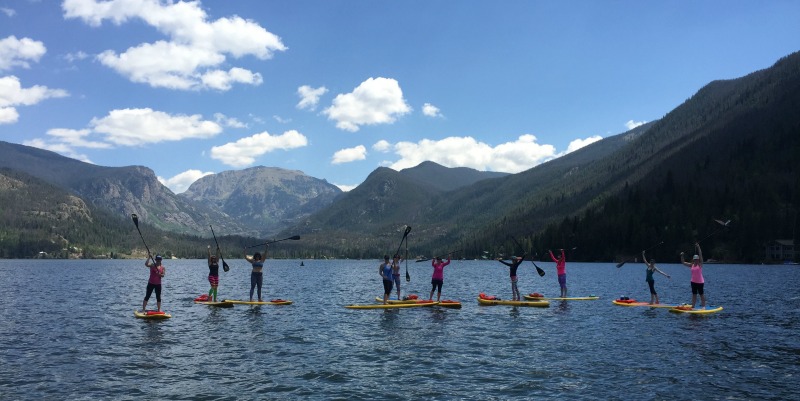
(780, 250)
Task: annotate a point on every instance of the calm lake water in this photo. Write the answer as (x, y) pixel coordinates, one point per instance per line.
(69, 333)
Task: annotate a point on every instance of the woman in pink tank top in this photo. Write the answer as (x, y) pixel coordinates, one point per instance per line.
(697, 275)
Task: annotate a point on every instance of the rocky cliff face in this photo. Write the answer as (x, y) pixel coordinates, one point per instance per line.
(266, 199)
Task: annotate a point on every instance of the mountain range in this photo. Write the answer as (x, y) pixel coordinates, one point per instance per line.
(728, 152)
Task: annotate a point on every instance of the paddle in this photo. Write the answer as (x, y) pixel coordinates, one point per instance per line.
(538, 269)
(724, 225)
(630, 259)
(136, 223)
(405, 235)
(224, 265)
(408, 278)
(293, 238)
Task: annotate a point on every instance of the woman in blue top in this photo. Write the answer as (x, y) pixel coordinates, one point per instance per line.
(651, 268)
(385, 270)
(257, 275)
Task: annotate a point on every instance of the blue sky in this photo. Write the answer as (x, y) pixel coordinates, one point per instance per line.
(338, 88)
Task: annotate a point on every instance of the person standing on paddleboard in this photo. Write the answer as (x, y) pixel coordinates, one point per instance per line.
(385, 270)
(257, 275)
(213, 274)
(157, 271)
(438, 277)
(396, 273)
(697, 275)
(561, 271)
(651, 268)
(515, 262)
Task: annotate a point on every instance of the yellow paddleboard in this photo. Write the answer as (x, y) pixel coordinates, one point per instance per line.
(151, 315)
(272, 302)
(392, 306)
(221, 304)
(589, 298)
(696, 311)
(490, 302)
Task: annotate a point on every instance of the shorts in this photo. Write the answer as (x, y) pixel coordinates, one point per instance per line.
(396, 278)
(562, 280)
(387, 286)
(436, 283)
(213, 280)
(697, 288)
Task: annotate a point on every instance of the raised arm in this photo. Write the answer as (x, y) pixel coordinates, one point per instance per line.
(659, 270)
(684, 262)
(699, 253)
(505, 263)
(247, 258)
(555, 259)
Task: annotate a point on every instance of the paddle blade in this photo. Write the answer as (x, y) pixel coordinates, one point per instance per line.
(135, 219)
(225, 266)
(620, 264)
(408, 278)
(540, 271)
(295, 238)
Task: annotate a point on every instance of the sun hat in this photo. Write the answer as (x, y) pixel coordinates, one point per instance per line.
(696, 257)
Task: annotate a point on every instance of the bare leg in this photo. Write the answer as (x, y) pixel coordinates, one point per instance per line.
(144, 305)
(694, 300)
(159, 305)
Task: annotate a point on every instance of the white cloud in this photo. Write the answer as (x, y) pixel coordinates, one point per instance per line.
(222, 80)
(12, 94)
(9, 12)
(346, 188)
(76, 138)
(18, 52)
(349, 155)
(633, 124)
(232, 122)
(431, 110)
(8, 115)
(194, 48)
(281, 119)
(133, 127)
(244, 151)
(309, 97)
(375, 101)
(182, 181)
(579, 143)
(509, 157)
(77, 56)
(60, 148)
(382, 146)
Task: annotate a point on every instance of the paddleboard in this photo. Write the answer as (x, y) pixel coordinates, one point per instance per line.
(151, 314)
(636, 303)
(271, 302)
(534, 298)
(492, 302)
(221, 304)
(392, 306)
(696, 311)
(447, 303)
